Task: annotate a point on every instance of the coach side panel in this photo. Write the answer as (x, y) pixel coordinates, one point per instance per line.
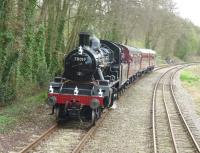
(144, 64)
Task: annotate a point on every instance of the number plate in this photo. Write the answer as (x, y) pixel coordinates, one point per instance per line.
(80, 59)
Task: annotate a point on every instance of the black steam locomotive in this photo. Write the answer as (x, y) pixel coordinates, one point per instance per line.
(94, 74)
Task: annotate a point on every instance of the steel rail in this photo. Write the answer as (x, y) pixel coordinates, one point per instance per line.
(38, 140)
(179, 109)
(166, 109)
(167, 65)
(161, 67)
(154, 109)
(168, 117)
(90, 132)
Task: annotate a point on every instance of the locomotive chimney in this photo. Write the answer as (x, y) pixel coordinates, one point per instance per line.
(84, 39)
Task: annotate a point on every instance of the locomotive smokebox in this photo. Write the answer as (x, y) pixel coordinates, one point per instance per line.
(84, 39)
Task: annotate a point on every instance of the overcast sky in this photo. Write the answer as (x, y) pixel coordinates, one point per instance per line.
(189, 9)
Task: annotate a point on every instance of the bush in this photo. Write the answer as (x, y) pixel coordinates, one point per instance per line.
(7, 94)
(189, 77)
(42, 75)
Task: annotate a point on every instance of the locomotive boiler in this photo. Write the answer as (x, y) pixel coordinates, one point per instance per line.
(89, 61)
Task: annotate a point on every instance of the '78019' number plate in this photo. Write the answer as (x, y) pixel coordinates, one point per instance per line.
(80, 59)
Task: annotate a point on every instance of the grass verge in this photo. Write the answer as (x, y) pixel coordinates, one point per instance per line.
(190, 78)
(20, 111)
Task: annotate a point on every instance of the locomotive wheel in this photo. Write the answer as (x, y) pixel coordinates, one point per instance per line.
(93, 117)
(85, 114)
(112, 101)
(60, 114)
(96, 114)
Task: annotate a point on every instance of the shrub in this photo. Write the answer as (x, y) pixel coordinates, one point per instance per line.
(7, 93)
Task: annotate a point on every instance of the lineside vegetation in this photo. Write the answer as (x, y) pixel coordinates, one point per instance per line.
(35, 35)
(191, 82)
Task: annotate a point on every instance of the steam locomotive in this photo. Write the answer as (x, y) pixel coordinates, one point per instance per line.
(95, 73)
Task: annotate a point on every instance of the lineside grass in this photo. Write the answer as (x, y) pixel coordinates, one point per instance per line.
(191, 77)
(20, 111)
(191, 81)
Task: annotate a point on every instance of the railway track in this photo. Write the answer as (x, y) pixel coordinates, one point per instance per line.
(38, 140)
(75, 147)
(83, 137)
(73, 138)
(161, 67)
(171, 133)
(78, 141)
(39, 143)
(91, 131)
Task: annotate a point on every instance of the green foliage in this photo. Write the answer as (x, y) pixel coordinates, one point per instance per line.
(188, 43)
(6, 121)
(33, 40)
(6, 42)
(3, 4)
(10, 61)
(18, 111)
(189, 77)
(25, 67)
(47, 48)
(182, 47)
(6, 37)
(7, 57)
(26, 64)
(60, 35)
(54, 64)
(42, 75)
(7, 93)
(38, 54)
